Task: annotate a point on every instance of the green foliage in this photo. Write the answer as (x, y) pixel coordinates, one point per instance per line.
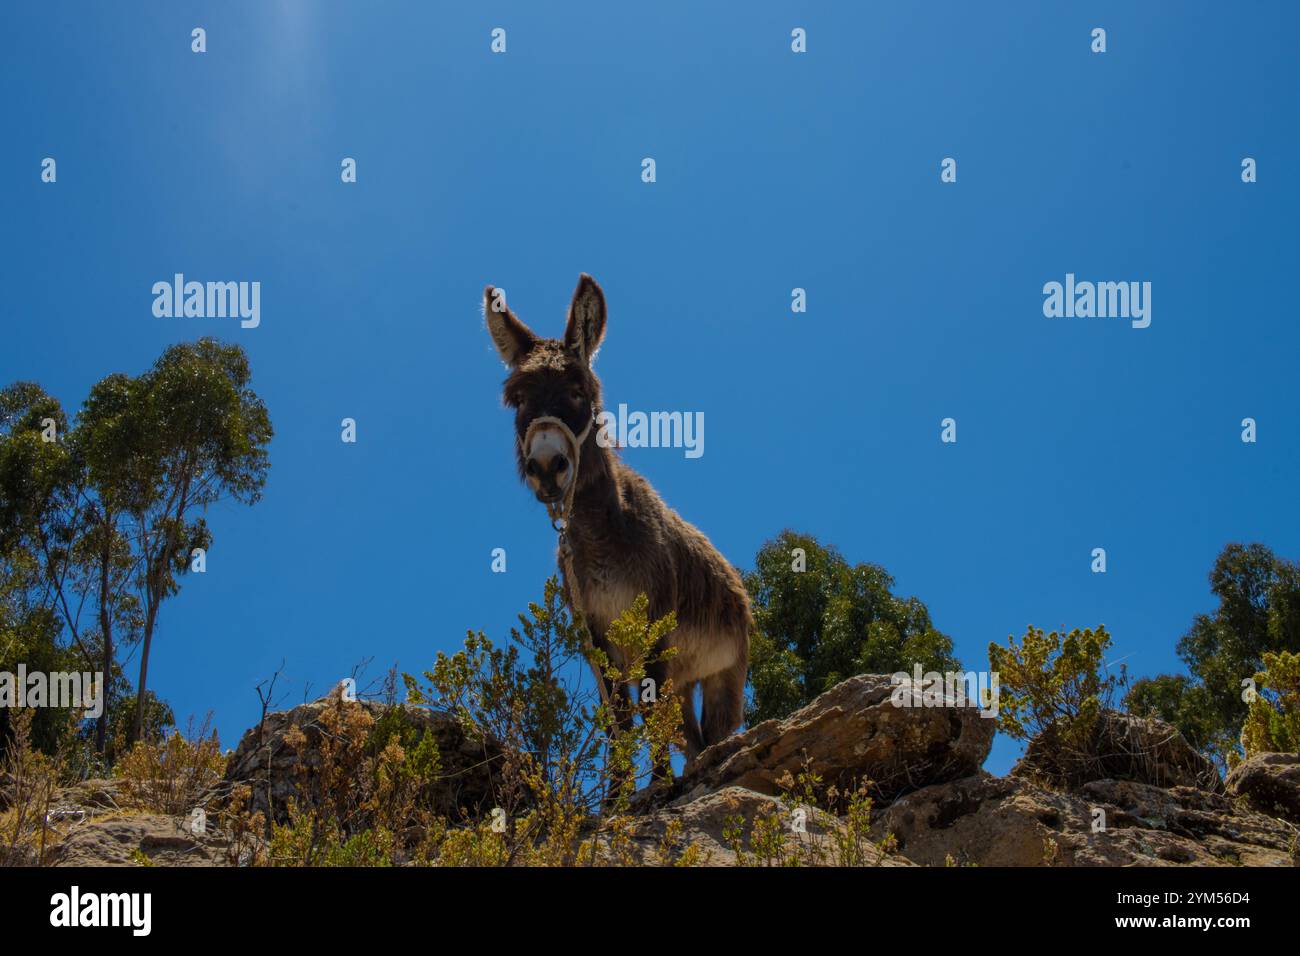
(1258, 613)
(28, 635)
(1272, 722)
(818, 626)
(1180, 701)
(163, 447)
(568, 763)
(99, 517)
(525, 695)
(564, 767)
(834, 827)
(1054, 680)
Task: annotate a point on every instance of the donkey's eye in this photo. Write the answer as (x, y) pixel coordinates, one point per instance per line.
(577, 395)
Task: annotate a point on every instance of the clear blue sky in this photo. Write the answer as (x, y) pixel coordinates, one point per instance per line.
(775, 170)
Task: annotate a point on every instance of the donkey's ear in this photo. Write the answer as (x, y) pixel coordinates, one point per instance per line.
(586, 328)
(512, 338)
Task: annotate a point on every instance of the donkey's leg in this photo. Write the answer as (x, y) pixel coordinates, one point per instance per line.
(723, 704)
(691, 726)
(624, 714)
(658, 672)
(614, 695)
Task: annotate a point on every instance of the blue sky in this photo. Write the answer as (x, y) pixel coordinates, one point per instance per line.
(774, 171)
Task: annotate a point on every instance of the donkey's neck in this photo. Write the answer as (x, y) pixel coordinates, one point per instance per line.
(598, 500)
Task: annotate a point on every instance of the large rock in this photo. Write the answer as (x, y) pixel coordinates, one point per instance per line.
(1269, 783)
(735, 826)
(141, 839)
(1010, 821)
(275, 768)
(1120, 747)
(850, 734)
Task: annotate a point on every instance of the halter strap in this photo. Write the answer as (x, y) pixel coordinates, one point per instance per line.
(560, 510)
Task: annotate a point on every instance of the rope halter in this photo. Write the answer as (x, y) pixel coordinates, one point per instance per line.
(559, 511)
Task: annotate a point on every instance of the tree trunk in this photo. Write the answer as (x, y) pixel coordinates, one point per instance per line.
(144, 672)
(155, 587)
(106, 634)
(101, 722)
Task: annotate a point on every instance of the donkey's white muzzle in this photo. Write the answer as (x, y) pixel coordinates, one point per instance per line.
(550, 453)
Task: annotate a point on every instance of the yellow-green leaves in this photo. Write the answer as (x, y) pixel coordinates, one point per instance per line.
(1052, 678)
(1273, 720)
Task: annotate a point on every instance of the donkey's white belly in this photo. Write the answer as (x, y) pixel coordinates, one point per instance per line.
(699, 654)
(604, 601)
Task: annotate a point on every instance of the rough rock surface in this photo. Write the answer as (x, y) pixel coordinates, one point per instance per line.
(1010, 821)
(704, 821)
(273, 768)
(93, 795)
(1159, 806)
(1123, 747)
(1269, 783)
(850, 733)
(164, 840)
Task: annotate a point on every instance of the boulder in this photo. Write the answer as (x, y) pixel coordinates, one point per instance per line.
(719, 829)
(276, 765)
(852, 733)
(1012, 821)
(1121, 747)
(129, 840)
(1269, 783)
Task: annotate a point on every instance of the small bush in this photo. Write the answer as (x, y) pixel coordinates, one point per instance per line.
(1052, 680)
(1273, 720)
(29, 781)
(175, 774)
(1054, 689)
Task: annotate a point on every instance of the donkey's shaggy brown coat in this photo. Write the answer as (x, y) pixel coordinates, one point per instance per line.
(623, 540)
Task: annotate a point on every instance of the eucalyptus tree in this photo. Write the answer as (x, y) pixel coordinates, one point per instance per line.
(99, 517)
(164, 447)
(820, 619)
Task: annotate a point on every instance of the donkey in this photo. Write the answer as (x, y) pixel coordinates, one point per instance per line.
(617, 537)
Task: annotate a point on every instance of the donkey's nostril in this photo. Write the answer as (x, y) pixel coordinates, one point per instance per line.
(530, 467)
(561, 463)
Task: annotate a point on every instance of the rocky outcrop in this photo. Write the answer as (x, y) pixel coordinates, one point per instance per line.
(1011, 821)
(95, 794)
(277, 765)
(1269, 783)
(1160, 805)
(140, 839)
(1120, 747)
(850, 734)
(735, 826)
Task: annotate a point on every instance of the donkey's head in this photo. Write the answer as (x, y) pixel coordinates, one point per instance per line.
(551, 387)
